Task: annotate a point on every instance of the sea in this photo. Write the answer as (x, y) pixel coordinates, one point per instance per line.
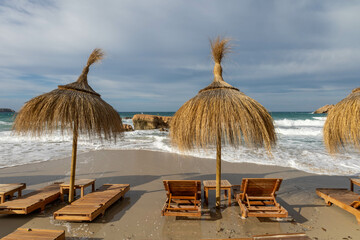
(299, 145)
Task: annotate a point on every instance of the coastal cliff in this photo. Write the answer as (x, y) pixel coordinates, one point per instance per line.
(147, 122)
(328, 107)
(6, 110)
(324, 109)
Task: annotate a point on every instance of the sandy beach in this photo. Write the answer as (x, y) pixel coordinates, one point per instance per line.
(137, 216)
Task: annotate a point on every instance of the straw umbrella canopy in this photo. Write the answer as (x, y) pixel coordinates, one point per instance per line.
(220, 113)
(75, 108)
(342, 126)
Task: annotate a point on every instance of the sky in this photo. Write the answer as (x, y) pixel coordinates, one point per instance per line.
(288, 55)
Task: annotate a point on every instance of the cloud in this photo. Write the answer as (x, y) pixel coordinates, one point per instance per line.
(157, 52)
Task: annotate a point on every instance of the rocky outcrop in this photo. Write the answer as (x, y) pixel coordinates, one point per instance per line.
(127, 128)
(147, 122)
(324, 109)
(6, 110)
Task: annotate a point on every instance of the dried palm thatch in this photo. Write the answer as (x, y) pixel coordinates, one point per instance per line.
(73, 107)
(221, 113)
(342, 126)
(71, 104)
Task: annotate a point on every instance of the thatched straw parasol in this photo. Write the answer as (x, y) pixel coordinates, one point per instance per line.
(74, 107)
(342, 126)
(221, 113)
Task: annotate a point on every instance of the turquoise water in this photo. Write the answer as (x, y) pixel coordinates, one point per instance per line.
(6, 120)
(300, 145)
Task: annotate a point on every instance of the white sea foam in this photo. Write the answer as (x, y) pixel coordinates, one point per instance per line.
(320, 118)
(299, 131)
(5, 123)
(299, 123)
(299, 146)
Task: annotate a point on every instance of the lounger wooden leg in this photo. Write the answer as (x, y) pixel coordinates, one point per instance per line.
(19, 194)
(206, 196)
(2, 199)
(82, 191)
(229, 197)
(244, 213)
(62, 194)
(93, 187)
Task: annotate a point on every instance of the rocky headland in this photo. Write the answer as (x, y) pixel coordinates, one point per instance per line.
(148, 122)
(6, 110)
(328, 107)
(324, 109)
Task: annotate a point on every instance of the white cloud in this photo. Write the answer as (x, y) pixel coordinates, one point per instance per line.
(158, 51)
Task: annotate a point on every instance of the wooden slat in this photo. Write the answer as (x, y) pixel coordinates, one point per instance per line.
(285, 236)
(79, 182)
(38, 234)
(260, 186)
(212, 183)
(93, 204)
(11, 187)
(263, 208)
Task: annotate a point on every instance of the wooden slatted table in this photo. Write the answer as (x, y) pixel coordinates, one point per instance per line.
(211, 185)
(10, 189)
(79, 183)
(353, 181)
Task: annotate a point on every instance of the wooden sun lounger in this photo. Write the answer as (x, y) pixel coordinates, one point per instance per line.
(256, 197)
(32, 201)
(183, 198)
(284, 236)
(93, 204)
(342, 198)
(31, 234)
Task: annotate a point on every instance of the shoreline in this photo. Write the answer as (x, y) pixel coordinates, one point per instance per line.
(190, 155)
(137, 216)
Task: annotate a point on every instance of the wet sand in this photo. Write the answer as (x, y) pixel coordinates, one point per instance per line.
(137, 216)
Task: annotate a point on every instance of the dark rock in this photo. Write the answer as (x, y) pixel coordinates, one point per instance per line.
(147, 122)
(324, 109)
(6, 110)
(128, 128)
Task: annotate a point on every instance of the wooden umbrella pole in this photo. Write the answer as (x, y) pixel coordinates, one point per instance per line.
(73, 163)
(218, 168)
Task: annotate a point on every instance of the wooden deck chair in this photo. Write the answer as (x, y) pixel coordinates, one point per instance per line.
(343, 198)
(32, 201)
(92, 204)
(40, 234)
(256, 197)
(183, 198)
